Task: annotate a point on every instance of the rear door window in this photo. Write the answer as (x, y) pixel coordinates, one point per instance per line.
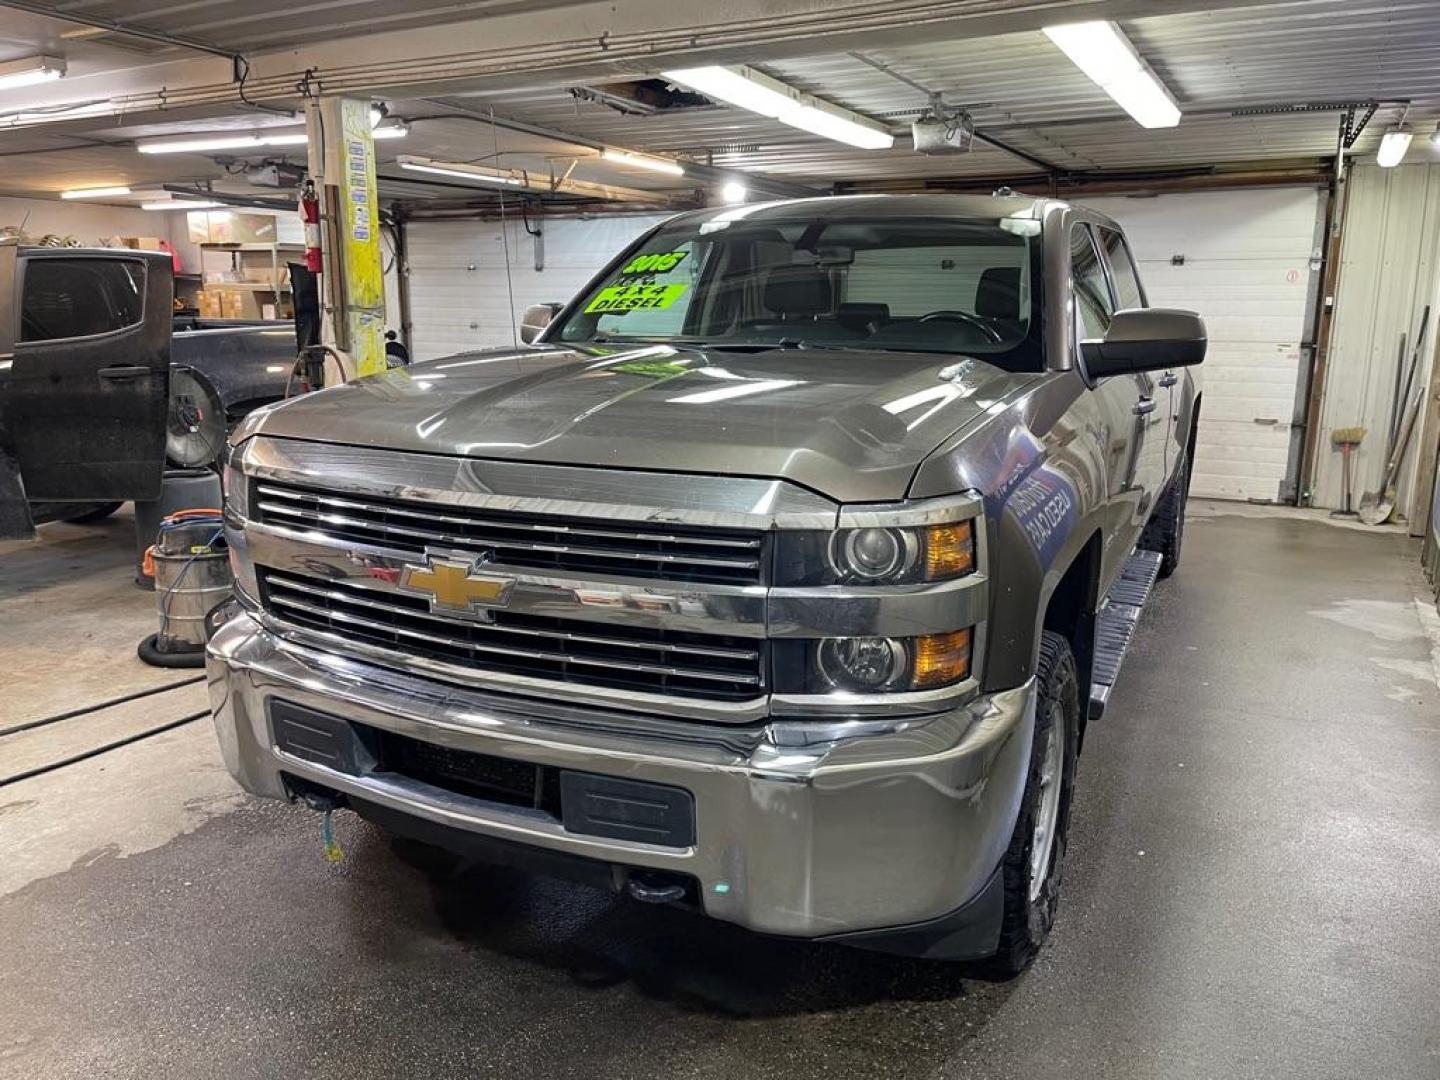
(80, 297)
(1128, 293)
(1093, 303)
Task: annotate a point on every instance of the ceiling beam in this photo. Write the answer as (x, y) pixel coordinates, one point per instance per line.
(160, 37)
(705, 174)
(590, 41)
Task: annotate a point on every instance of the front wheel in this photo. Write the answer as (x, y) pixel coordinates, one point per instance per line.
(1036, 856)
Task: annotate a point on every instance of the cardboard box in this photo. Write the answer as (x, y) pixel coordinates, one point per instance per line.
(239, 303)
(143, 243)
(209, 304)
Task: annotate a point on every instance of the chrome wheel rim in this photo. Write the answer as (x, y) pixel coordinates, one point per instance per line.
(1047, 809)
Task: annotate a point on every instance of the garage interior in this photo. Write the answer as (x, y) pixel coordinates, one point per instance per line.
(1253, 864)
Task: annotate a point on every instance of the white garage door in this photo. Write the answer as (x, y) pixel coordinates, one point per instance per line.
(458, 292)
(1243, 259)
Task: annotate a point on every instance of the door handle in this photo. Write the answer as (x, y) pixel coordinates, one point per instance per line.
(1169, 379)
(1144, 406)
(122, 372)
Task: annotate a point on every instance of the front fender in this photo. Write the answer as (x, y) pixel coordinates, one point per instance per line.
(1041, 467)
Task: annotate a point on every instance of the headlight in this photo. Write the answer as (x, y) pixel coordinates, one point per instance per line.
(872, 665)
(876, 556)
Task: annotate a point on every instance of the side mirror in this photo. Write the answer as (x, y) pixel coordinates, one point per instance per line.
(535, 319)
(1145, 339)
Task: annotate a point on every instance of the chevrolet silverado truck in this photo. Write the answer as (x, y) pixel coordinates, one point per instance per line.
(779, 575)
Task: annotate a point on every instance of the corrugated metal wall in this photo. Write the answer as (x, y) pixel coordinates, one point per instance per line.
(459, 296)
(1388, 266)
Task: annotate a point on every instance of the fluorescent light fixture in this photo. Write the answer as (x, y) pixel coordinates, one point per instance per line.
(734, 192)
(747, 88)
(182, 204)
(31, 70)
(1393, 145)
(94, 192)
(458, 170)
(192, 144)
(644, 161)
(221, 140)
(390, 129)
(737, 86)
(1107, 58)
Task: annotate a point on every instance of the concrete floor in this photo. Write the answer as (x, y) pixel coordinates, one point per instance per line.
(1251, 891)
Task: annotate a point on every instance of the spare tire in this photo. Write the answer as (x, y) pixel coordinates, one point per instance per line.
(194, 421)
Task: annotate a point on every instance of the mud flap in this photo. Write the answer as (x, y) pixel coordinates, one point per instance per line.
(15, 520)
(1115, 627)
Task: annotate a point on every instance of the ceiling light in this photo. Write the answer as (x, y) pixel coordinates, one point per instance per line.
(191, 144)
(831, 122)
(461, 171)
(747, 88)
(94, 192)
(734, 192)
(1393, 145)
(1107, 58)
(390, 129)
(736, 87)
(644, 161)
(182, 204)
(31, 70)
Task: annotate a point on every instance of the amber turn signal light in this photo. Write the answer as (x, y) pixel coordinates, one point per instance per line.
(941, 659)
(949, 550)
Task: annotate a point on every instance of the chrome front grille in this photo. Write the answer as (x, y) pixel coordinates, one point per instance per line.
(580, 546)
(715, 667)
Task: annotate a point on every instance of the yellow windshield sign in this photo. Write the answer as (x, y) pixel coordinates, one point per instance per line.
(618, 298)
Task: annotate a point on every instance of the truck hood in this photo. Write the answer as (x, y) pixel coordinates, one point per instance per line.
(851, 424)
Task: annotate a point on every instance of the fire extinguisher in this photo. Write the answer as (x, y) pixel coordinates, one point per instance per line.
(310, 212)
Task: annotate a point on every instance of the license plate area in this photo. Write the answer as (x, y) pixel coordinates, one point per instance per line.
(583, 803)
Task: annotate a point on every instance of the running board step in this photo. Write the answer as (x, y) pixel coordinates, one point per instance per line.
(1115, 626)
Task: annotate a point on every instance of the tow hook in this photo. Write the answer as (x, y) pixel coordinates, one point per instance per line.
(655, 889)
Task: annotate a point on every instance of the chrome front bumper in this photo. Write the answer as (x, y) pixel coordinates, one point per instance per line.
(889, 825)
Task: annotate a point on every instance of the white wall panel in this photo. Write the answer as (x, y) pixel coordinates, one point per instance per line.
(1247, 269)
(1388, 273)
(460, 297)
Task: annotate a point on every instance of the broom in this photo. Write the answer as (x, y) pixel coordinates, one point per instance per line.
(1346, 439)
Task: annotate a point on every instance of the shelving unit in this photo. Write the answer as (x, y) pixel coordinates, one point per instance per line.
(245, 259)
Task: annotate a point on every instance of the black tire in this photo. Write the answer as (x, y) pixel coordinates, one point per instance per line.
(149, 651)
(98, 512)
(1165, 531)
(1027, 920)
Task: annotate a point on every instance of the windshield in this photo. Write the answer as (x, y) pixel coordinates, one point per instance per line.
(903, 285)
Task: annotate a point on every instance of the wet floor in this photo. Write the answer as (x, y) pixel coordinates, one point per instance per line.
(1251, 892)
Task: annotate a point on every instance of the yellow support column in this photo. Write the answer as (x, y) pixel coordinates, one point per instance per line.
(342, 162)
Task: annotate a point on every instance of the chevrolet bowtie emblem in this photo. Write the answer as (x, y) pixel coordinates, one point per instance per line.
(454, 585)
